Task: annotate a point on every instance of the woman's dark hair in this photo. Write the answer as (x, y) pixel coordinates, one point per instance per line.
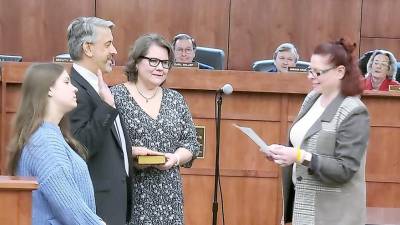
(341, 53)
(140, 48)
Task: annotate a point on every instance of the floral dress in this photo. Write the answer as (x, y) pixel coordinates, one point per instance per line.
(157, 194)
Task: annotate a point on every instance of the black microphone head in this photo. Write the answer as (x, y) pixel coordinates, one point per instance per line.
(227, 89)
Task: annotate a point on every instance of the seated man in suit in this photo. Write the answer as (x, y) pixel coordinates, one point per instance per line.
(184, 47)
(284, 56)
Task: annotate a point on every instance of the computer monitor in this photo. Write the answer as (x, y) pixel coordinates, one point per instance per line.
(211, 56)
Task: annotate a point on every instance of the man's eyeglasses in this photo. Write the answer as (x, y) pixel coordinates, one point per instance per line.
(319, 73)
(186, 50)
(166, 64)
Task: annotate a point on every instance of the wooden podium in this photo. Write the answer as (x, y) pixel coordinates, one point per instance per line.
(266, 102)
(16, 200)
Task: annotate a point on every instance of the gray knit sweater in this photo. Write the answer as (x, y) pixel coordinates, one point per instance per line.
(65, 194)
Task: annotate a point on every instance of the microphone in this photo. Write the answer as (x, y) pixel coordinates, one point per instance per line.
(226, 89)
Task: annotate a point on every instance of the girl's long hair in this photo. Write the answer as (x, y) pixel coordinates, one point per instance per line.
(32, 109)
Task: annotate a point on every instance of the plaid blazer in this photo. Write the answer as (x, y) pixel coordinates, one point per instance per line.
(331, 190)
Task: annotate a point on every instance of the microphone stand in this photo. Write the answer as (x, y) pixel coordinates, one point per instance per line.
(218, 98)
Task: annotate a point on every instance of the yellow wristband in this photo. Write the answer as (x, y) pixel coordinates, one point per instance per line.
(299, 155)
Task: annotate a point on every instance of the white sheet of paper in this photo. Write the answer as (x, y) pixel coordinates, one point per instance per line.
(254, 137)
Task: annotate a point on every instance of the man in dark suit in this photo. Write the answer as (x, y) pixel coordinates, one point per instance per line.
(285, 56)
(95, 121)
(184, 47)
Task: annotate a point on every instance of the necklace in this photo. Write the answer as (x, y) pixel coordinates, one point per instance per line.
(147, 98)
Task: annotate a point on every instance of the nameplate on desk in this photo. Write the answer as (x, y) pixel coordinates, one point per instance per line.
(297, 69)
(394, 87)
(62, 60)
(186, 65)
(201, 138)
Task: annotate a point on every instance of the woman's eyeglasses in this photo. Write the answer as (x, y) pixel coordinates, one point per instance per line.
(166, 64)
(378, 63)
(319, 73)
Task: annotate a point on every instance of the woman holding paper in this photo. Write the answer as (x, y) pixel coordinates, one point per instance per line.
(158, 120)
(324, 165)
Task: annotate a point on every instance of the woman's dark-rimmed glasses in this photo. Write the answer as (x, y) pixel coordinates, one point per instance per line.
(319, 73)
(166, 64)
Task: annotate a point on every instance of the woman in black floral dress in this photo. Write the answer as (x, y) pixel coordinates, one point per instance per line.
(157, 120)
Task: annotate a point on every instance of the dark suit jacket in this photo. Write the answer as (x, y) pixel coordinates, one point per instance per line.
(205, 66)
(272, 69)
(92, 123)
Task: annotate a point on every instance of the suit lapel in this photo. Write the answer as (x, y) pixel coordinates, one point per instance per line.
(307, 105)
(85, 85)
(308, 102)
(94, 95)
(326, 116)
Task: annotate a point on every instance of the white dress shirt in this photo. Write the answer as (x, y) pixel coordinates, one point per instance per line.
(301, 127)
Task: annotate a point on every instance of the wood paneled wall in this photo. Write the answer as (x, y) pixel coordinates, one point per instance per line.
(37, 29)
(259, 26)
(246, 30)
(206, 20)
(379, 26)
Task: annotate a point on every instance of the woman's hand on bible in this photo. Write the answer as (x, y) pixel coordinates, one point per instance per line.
(136, 150)
(172, 160)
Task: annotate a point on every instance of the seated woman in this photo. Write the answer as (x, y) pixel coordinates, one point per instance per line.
(284, 56)
(42, 146)
(381, 71)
